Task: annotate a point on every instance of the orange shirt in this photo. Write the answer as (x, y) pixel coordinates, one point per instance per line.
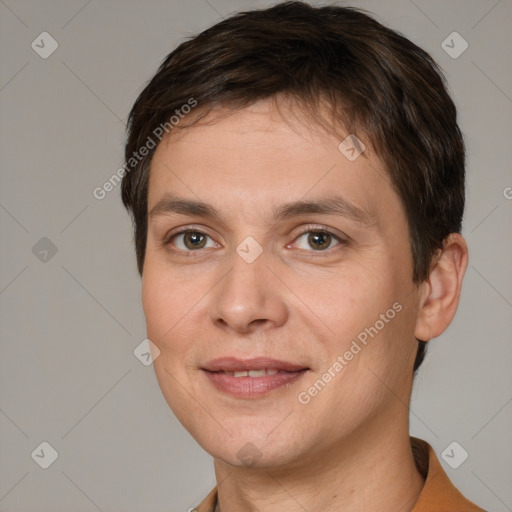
(438, 493)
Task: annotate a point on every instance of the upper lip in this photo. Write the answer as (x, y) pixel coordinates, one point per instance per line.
(231, 364)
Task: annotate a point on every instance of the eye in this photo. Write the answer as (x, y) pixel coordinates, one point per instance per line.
(191, 240)
(317, 239)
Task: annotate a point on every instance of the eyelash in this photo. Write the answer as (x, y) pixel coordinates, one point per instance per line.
(308, 229)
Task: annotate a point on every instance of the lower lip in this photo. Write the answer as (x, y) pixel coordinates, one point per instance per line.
(251, 387)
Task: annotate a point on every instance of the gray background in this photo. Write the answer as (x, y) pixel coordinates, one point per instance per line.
(70, 323)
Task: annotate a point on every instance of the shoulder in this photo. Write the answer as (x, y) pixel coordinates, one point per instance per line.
(208, 504)
(438, 493)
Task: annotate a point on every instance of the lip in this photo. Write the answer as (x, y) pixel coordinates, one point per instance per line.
(230, 364)
(251, 387)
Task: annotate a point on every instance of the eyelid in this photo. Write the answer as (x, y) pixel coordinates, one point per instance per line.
(181, 230)
(316, 228)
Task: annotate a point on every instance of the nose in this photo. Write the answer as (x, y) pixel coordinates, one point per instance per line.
(249, 298)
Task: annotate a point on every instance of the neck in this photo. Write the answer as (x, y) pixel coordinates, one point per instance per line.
(368, 471)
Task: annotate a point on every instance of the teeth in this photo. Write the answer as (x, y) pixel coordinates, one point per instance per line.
(257, 373)
(252, 373)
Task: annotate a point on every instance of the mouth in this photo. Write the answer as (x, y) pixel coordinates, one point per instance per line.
(251, 378)
(232, 365)
(253, 373)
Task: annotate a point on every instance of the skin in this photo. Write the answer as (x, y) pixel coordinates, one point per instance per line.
(348, 447)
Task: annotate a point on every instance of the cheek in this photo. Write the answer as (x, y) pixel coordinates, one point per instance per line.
(166, 295)
(157, 305)
(164, 303)
(174, 305)
(368, 313)
(347, 300)
(165, 306)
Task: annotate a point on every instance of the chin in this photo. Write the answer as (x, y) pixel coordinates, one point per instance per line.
(252, 448)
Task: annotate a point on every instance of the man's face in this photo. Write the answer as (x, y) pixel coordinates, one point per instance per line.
(328, 290)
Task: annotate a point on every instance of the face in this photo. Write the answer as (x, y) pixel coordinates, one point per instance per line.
(271, 250)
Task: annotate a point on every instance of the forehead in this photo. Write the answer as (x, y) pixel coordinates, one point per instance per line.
(260, 154)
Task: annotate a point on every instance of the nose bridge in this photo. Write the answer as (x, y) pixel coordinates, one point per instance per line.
(248, 296)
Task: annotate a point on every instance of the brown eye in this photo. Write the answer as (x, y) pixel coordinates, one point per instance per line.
(190, 240)
(319, 240)
(194, 240)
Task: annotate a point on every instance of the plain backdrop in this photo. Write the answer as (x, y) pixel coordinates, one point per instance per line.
(71, 317)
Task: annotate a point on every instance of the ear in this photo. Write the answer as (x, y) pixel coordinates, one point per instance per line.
(441, 290)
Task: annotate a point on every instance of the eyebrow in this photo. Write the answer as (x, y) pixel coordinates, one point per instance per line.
(331, 205)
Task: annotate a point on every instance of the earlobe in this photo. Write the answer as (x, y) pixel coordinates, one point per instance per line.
(442, 289)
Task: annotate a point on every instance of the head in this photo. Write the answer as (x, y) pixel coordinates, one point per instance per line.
(304, 105)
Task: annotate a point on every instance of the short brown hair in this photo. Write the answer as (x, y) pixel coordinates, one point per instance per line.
(375, 83)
